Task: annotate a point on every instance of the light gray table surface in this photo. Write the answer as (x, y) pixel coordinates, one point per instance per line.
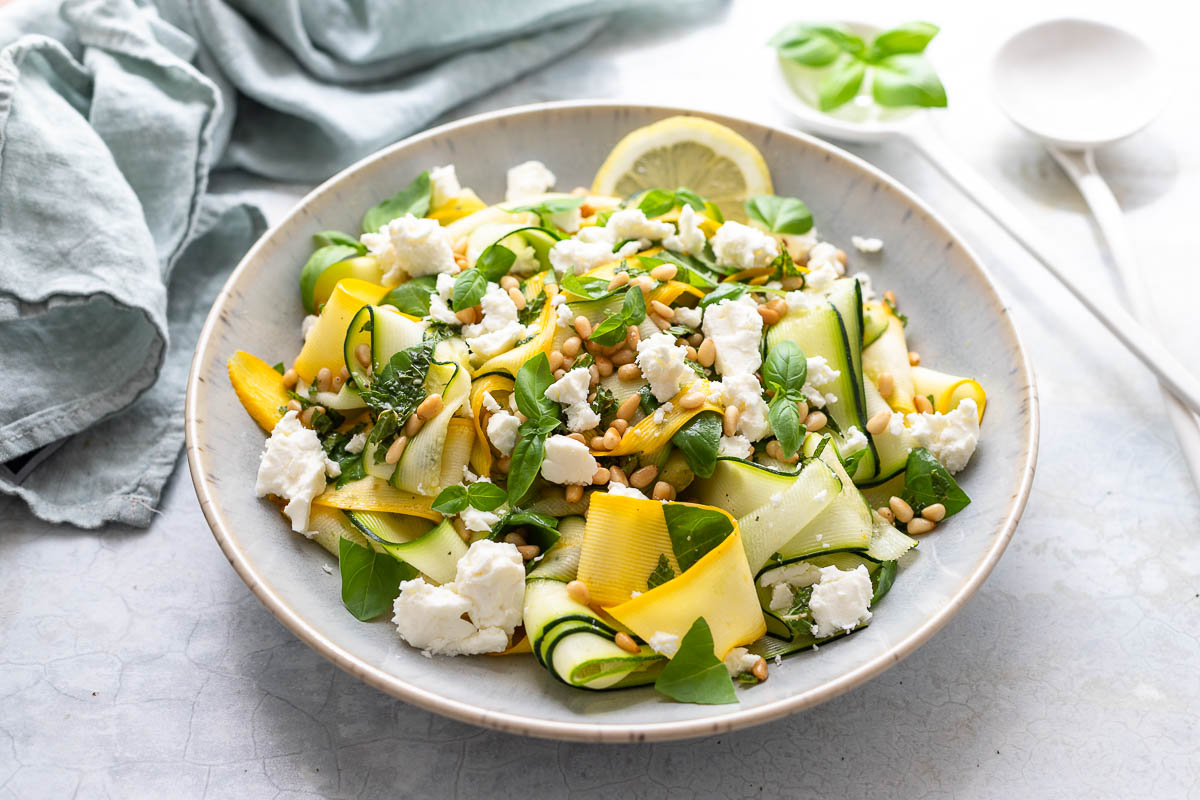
(134, 663)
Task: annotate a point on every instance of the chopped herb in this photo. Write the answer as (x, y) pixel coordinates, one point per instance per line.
(279, 368)
(661, 574)
(726, 291)
(699, 439)
(533, 309)
(604, 404)
(540, 529)
(400, 386)
(649, 403)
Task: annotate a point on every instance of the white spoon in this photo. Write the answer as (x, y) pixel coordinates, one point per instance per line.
(915, 128)
(1077, 85)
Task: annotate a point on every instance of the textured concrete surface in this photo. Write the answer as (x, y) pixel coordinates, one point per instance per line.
(136, 664)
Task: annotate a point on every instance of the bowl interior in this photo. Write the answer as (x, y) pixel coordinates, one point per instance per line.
(958, 325)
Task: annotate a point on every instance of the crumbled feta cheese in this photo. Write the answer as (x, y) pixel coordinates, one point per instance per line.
(307, 324)
(745, 392)
(621, 490)
(661, 412)
(741, 246)
(820, 375)
(411, 245)
(564, 316)
(439, 301)
(445, 185)
(293, 468)
(736, 330)
(664, 364)
(690, 238)
(820, 277)
(475, 613)
(804, 301)
(579, 256)
(690, 317)
(568, 461)
(853, 440)
(528, 179)
(840, 601)
(357, 442)
(631, 223)
(490, 403)
(736, 446)
(666, 644)
(502, 431)
(796, 575)
(569, 220)
(866, 244)
(781, 597)
(470, 477)
(571, 392)
(476, 520)
(952, 437)
(895, 424)
(739, 660)
(500, 329)
(799, 244)
(864, 281)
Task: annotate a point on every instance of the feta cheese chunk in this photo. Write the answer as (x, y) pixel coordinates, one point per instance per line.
(578, 256)
(799, 244)
(664, 364)
(781, 597)
(840, 600)
(569, 220)
(666, 644)
(475, 613)
(490, 403)
(502, 431)
(736, 446)
(500, 329)
(571, 392)
(866, 244)
(736, 330)
(744, 392)
(621, 490)
(690, 239)
(820, 375)
(356, 444)
(293, 468)
(411, 246)
(690, 317)
(952, 437)
(528, 179)
(632, 223)
(307, 324)
(741, 246)
(439, 301)
(739, 660)
(568, 461)
(476, 520)
(445, 185)
(796, 575)
(803, 301)
(853, 440)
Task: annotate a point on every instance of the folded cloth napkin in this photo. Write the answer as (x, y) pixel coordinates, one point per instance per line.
(112, 115)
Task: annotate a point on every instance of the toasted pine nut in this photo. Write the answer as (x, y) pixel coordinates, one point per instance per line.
(618, 280)
(644, 282)
(732, 413)
(594, 371)
(886, 513)
(430, 406)
(612, 438)
(769, 316)
(597, 443)
(662, 309)
(662, 491)
(583, 326)
(816, 421)
(577, 437)
(778, 305)
(664, 272)
(624, 641)
(632, 337)
(623, 356)
(466, 316)
(335, 385)
(396, 450)
(604, 366)
(775, 450)
(294, 405)
(901, 509)
(706, 354)
(363, 354)
(290, 379)
(324, 376)
(573, 493)
(578, 591)
(922, 403)
(556, 360)
(621, 425)
(601, 476)
(502, 464)
(759, 670)
(802, 407)
(515, 538)
(307, 415)
(691, 353)
(643, 477)
(886, 384)
(878, 423)
(558, 373)
(914, 358)
(518, 299)
(692, 400)
(529, 551)
(570, 347)
(695, 339)
(510, 282)
(792, 283)
(460, 528)
(629, 372)
(616, 474)
(628, 407)
(935, 512)
(920, 525)
(659, 322)
(413, 426)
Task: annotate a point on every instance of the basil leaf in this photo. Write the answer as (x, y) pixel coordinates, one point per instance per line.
(927, 482)
(907, 79)
(649, 403)
(540, 529)
(611, 331)
(280, 368)
(325, 238)
(526, 461)
(451, 500)
(725, 291)
(850, 462)
(485, 496)
(494, 262)
(786, 423)
(412, 199)
(656, 202)
(634, 307)
(370, 580)
(551, 207)
(884, 579)
(814, 45)
(695, 674)
(413, 296)
(533, 379)
(694, 531)
(605, 403)
(686, 197)
(322, 259)
(780, 214)
(911, 37)
(661, 574)
(699, 439)
(587, 288)
(469, 288)
(842, 82)
(785, 369)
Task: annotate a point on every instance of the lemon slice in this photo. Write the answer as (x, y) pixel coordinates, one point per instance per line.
(710, 159)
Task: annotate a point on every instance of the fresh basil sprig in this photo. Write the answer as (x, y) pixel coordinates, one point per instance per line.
(412, 296)
(700, 439)
(614, 328)
(412, 199)
(784, 372)
(533, 379)
(657, 202)
(471, 284)
(780, 214)
(900, 74)
(481, 495)
(587, 288)
(695, 674)
(370, 580)
(694, 531)
(725, 291)
(927, 482)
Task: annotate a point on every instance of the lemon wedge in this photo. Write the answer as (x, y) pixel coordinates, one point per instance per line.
(704, 156)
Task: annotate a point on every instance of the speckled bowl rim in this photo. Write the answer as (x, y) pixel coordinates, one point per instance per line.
(722, 720)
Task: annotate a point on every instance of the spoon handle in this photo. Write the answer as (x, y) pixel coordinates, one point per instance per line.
(1170, 372)
(1081, 168)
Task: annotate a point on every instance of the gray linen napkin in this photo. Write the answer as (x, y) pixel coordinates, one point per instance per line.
(112, 115)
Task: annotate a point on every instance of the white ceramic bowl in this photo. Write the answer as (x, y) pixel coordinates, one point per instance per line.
(958, 324)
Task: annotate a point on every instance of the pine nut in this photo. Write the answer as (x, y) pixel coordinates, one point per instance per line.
(413, 426)
(460, 247)
(460, 528)
(558, 373)
(889, 297)
(604, 366)
(923, 405)
(775, 450)
(335, 385)
(556, 360)
(466, 316)
(732, 413)
(644, 282)
(515, 538)
(306, 417)
(578, 591)
(573, 493)
(664, 272)
(632, 337)
(802, 407)
(518, 299)
(583, 327)
(628, 407)
(840, 255)
(612, 438)
(778, 305)
(509, 282)
(621, 425)
(290, 379)
(914, 358)
(577, 437)
(396, 450)
(643, 477)
(594, 371)
(919, 525)
(617, 475)
(901, 509)
(816, 421)
(430, 406)
(629, 372)
(294, 405)
(570, 347)
(759, 670)
(692, 400)
(769, 316)
(691, 353)
(529, 551)
(324, 376)
(597, 443)
(792, 283)
(662, 309)
(878, 423)
(618, 280)
(706, 354)
(624, 641)
(934, 513)
(659, 322)
(362, 354)
(601, 476)
(886, 384)
(502, 464)
(886, 513)
(662, 491)
(623, 356)
(695, 339)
